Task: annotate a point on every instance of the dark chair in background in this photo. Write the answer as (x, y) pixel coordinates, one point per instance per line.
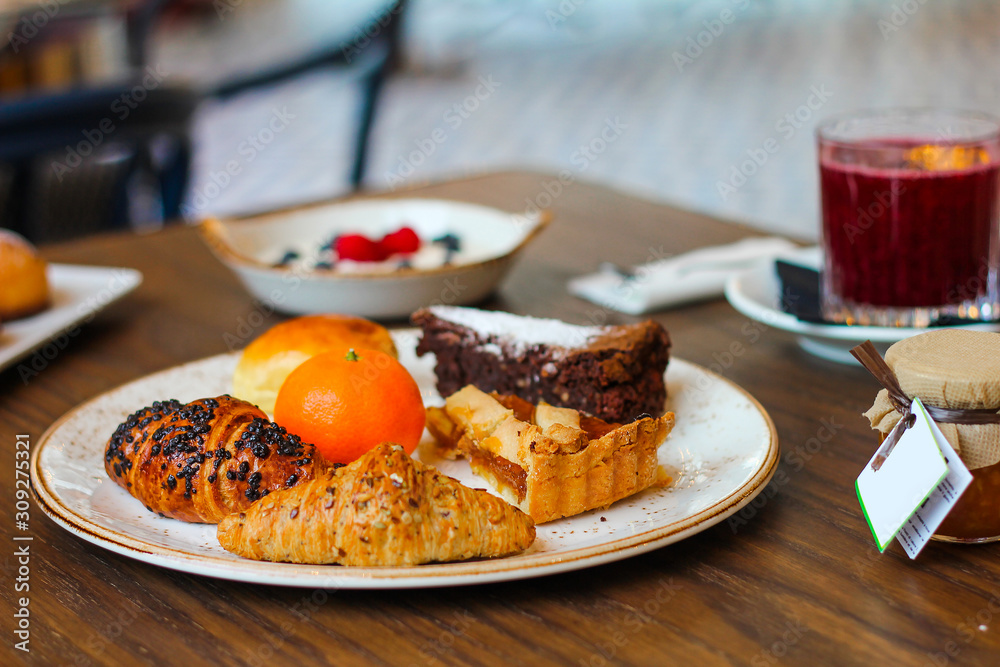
(72, 165)
(85, 159)
(373, 62)
(86, 155)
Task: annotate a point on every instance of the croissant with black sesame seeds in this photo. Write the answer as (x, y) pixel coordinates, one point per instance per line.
(382, 509)
(203, 460)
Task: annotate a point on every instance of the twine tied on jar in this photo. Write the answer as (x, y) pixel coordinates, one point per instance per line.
(873, 362)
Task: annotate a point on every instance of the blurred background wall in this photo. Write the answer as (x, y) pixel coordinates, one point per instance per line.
(707, 104)
(696, 89)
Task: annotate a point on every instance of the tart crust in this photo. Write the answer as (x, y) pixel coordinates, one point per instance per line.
(545, 463)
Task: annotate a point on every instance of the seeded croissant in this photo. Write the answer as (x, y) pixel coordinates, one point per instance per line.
(382, 509)
(203, 460)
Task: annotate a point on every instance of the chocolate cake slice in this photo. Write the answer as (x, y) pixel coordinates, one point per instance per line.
(611, 372)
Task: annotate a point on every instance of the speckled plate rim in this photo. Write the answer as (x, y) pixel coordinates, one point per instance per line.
(423, 576)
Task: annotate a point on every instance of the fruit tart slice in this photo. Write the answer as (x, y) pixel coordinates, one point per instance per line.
(550, 462)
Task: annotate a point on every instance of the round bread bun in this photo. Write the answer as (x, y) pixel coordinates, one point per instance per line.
(267, 361)
(24, 285)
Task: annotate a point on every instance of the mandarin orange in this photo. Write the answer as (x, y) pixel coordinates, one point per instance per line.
(347, 404)
(267, 361)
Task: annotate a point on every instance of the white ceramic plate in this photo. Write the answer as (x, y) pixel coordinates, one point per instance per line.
(490, 239)
(78, 293)
(756, 293)
(722, 451)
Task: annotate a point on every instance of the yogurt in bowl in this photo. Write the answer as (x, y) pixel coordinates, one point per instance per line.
(285, 259)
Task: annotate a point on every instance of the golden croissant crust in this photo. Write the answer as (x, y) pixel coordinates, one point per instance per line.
(382, 509)
(206, 459)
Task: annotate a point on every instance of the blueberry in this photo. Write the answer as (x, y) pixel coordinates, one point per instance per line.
(289, 257)
(450, 242)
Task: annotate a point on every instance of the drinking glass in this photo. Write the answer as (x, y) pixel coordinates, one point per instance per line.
(910, 208)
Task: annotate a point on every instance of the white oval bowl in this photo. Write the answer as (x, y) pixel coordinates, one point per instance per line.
(490, 238)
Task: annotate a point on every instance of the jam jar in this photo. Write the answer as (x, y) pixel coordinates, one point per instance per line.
(960, 369)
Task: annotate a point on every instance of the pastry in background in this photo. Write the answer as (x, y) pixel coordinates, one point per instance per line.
(267, 361)
(24, 285)
(203, 460)
(612, 372)
(550, 462)
(382, 509)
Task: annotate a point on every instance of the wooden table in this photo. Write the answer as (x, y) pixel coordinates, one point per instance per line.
(794, 579)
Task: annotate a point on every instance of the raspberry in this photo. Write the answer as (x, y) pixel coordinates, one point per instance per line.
(402, 241)
(359, 248)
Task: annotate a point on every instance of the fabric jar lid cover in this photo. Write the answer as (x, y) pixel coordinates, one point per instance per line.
(949, 368)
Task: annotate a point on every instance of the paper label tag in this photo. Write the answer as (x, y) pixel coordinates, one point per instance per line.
(917, 531)
(906, 478)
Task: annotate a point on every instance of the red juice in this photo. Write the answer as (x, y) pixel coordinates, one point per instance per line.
(909, 235)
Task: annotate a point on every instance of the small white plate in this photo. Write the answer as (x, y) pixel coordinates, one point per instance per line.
(490, 239)
(722, 452)
(756, 293)
(78, 293)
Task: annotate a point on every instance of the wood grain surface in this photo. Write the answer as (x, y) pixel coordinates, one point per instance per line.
(793, 579)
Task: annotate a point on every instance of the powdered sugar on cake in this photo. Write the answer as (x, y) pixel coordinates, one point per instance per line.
(516, 332)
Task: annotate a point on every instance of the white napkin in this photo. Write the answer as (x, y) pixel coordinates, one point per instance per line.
(693, 276)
